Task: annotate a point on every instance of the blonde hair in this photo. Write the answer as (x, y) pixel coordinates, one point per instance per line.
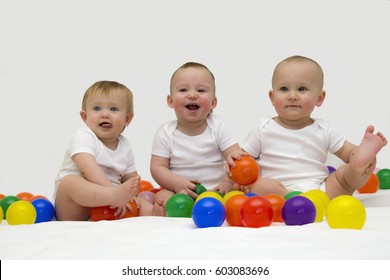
(192, 65)
(107, 88)
(299, 58)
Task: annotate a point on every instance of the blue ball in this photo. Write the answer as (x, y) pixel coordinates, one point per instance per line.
(250, 194)
(208, 212)
(44, 209)
(298, 210)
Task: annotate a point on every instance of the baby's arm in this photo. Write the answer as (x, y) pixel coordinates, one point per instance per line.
(345, 152)
(90, 170)
(159, 168)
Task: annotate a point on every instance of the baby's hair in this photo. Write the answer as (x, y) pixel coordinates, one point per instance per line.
(107, 88)
(192, 65)
(299, 58)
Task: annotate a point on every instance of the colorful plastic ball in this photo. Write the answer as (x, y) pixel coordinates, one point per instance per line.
(199, 189)
(2, 196)
(346, 212)
(147, 195)
(6, 202)
(298, 210)
(277, 202)
(371, 186)
(103, 213)
(319, 205)
(323, 195)
(331, 169)
(145, 186)
(1, 215)
(292, 194)
(249, 194)
(44, 209)
(21, 212)
(230, 194)
(245, 172)
(155, 190)
(256, 212)
(209, 194)
(384, 178)
(36, 197)
(233, 207)
(24, 196)
(208, 212)
(179, 205)
(134, 210)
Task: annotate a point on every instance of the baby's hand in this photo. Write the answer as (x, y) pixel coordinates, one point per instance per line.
(224, 187)
(235, 155)
(120, 211)
(188, 187)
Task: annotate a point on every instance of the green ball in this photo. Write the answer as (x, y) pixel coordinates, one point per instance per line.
(179, 205)
(199, 189)
(291, 194)
(6, 202)
(384, 178)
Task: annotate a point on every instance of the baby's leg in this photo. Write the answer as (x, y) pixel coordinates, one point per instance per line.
(264, 186)
(146, 208)
(75, 196)
(353, 175)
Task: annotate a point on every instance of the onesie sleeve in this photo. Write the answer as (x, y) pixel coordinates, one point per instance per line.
(83, 141)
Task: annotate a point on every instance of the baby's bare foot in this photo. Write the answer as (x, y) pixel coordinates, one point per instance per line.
(158, 209)
(368, 148)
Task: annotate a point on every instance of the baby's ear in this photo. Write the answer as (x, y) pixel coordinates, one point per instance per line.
(169, 101)
(83, 115)
(321, 98)
(129, 118)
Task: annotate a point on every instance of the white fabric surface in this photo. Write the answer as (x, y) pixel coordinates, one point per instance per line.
(157, 238)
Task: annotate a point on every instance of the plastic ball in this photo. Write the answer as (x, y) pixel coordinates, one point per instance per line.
(2, 196)
(298, 210)
(249, 194)
(245, 172)
(199, 188)
(44, 209)
(256, 212)
(209, 194)
(323, 195)
(6, 202)
(134, 210)
(292, 194)
(319, 205)
(21, 212)
(179, 205)
(24, 196)
(371, 186)
(145, 186)
(346, 212)
(208, 212)
(233, 206)
(103, 213)
(230, 194)
(36, 197)
(155, 190)
(331, 169)
(277, 202)
(147, 195)
(384, 178)
(1, 215)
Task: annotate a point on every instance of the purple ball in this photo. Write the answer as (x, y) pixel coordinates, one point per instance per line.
(331, 169)
(298, 210)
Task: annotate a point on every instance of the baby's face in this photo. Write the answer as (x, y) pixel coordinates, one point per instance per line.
(297, 90)
(192, 94)
(106, 116)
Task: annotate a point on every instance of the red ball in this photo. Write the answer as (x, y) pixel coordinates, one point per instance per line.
(103, 213)
(277, 202)
(256, 212)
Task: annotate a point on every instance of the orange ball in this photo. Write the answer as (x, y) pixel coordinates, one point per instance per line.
(371, 186)
(24, 196)
(2, 196)
(232, 207)
(134, 210)
(102, 213)
(245, 172)
(31, 199)
(145, 186)
(277, 202)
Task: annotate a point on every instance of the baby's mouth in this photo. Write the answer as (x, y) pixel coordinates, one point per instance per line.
(192, 107)
(106, 125)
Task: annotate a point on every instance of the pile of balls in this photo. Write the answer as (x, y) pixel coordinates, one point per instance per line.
(25, 208)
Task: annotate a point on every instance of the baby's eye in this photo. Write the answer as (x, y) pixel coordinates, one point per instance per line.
(284, 89)
(114, 109)
(183, 90)
(97, 108)
(302, 89)
(201, 90)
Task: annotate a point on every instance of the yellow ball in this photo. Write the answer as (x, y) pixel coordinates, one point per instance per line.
(21, 212)
(346, 212)
(230, 194)
(323, 195)
(318, 203)
(209, 194)
(1, 214)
